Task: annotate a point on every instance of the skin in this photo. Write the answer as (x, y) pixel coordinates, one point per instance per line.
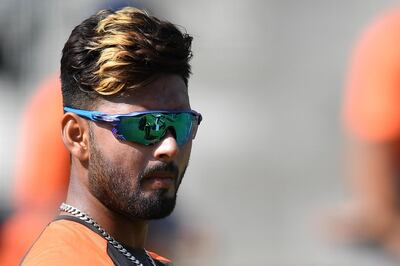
(168, 92)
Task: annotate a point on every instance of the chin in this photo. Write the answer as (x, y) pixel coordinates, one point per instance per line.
(150, 206)
(159, 194)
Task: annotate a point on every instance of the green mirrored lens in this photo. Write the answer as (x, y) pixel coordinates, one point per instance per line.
(183, 127)
(150, 128)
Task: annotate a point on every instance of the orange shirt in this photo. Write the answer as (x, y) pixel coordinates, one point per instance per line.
(372, 100)
(70, 241)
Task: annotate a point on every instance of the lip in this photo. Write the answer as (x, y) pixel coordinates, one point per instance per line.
(159, 180)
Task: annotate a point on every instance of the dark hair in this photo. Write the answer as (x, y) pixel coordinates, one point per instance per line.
(111, 53)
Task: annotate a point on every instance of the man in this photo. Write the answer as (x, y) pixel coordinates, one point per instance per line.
(128, 126)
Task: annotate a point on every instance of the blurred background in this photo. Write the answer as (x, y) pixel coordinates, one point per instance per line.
(268, 77)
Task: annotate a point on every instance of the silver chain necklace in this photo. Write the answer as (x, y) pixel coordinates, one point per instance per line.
(89, 220)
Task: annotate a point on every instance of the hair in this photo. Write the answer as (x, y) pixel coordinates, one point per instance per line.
(111, 53)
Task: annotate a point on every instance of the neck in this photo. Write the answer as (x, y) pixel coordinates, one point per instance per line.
(128, 232)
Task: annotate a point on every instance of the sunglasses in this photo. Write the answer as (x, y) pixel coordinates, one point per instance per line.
(147, 127)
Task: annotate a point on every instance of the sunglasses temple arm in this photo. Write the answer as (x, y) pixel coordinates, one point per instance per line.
(91, 115)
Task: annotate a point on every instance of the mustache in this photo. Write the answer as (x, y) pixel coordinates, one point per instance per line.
(169, 168)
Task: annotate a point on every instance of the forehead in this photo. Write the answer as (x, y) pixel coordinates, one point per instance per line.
(168, 92)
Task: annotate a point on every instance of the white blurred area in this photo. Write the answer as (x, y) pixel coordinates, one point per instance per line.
(268, 78)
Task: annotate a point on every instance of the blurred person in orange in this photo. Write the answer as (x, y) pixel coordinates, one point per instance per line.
(41, 172)
(372, 122)
(154, 161)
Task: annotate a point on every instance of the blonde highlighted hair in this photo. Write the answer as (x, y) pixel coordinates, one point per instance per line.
(113, 52)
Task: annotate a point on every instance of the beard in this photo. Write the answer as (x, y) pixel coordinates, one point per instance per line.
(120, 192)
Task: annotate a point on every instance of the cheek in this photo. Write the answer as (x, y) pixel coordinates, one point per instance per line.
(122, 155)
(129, 159)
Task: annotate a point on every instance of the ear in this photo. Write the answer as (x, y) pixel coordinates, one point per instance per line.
(75, 134)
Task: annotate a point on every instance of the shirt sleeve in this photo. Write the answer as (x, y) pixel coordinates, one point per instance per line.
(372, 92)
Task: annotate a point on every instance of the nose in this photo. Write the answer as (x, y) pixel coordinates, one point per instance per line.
(167, 149)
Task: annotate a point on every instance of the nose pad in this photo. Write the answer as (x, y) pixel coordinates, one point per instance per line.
(172, 131)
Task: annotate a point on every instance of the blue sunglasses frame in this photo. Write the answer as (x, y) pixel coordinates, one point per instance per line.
(115, 119)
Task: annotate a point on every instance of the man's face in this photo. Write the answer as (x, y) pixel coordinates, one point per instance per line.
(135, 180)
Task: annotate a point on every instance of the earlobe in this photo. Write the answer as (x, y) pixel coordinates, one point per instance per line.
(75, 134)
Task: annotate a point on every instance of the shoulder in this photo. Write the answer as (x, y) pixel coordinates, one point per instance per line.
(65, 242)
